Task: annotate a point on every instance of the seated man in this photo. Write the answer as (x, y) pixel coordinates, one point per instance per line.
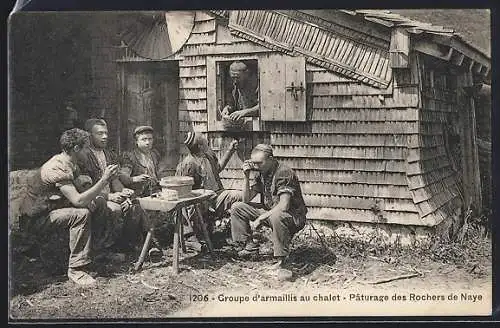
(92, 160)
(140, 171)
(203, 166)
(59, 174)
(283, 209)
(243, 100)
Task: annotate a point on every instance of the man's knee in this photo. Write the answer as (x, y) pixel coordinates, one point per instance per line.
(81, 216)
(238, 207)
(280, 219)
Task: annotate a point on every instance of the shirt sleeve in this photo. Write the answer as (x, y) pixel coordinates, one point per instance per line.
(57, 173)
(285, 182)
(256, 184)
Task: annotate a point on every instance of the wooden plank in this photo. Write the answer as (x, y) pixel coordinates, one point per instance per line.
(326, 77)
(307, 175)
(339, 189)
(220, 49)
(193, 126)
(360, 203)
(422, 180)
(371, 101)
(365, 114)
(332, 139)
(295, 73)
(202, 16)
(340, 164)
(352, 215)
(417, 168)
(193, 94)
(272, 87)
(192, 61)
(395, 153)
(348, 88)
(202, 38)
(192, 82)
(423, 154)
(365, 127)
(205, 26)
(190, 72)
(186, 104)
(189, 116)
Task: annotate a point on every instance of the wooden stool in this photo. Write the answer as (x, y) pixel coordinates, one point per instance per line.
(149, 203)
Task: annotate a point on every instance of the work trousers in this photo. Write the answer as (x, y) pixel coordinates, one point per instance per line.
(78, 220)
(281, 223)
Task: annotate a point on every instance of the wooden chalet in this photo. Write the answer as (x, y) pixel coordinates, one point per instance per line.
(374, 111)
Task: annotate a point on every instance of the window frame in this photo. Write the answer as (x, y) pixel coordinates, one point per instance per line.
(213, 72)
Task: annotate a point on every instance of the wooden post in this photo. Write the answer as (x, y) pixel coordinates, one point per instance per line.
(177, 231)
(470, 156)
(399, 48)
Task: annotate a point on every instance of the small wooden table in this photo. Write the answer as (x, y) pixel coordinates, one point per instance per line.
(176, 206)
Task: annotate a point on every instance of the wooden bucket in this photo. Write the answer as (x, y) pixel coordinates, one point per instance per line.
(183, 185)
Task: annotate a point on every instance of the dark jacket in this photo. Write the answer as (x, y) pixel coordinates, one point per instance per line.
(131, 160)
(89, 165)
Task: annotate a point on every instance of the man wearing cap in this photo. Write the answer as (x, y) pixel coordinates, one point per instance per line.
(203, 166)
(283, 207)
(92, 161)
(140, 166)
(243, 100)
(140, 171)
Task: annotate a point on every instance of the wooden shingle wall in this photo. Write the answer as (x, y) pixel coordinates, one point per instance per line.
(359, 151)
(434, 160)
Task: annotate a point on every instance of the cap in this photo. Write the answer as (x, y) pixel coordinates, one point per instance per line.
(191, 138)
(264, 148)
(142, 129)
(237, 66)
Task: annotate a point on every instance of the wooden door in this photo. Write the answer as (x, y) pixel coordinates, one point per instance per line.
(149, 92)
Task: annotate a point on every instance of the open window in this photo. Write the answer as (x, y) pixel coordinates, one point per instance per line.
(273, 83)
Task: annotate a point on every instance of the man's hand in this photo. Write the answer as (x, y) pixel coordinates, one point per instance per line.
(125, 205)
(126, 192)
(234, 145)
(247, 167)
(116, 197)
(110, 171)
(141, 178)
(227, 110)
(257, 223)
(239, 114)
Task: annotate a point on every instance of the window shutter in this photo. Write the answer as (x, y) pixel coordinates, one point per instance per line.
(282, 88)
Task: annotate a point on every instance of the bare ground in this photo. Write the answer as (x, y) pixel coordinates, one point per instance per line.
(156, 293)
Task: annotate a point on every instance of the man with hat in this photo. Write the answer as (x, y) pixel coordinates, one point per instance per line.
(140, 166)
(243, 99)
(203, 166)
(140, 171)
(282, 206)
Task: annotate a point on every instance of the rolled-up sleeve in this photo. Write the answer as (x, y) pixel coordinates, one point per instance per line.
(285, 183)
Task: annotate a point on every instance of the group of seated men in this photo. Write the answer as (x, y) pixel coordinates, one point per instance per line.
(91, 187)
